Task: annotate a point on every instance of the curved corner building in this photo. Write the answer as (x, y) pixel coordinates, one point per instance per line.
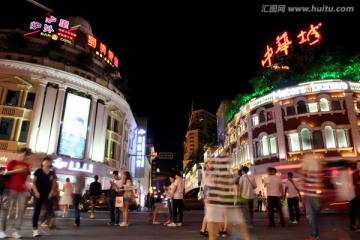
(60, 96)
(275, 130)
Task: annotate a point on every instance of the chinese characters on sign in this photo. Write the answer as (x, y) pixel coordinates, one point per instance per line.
(310, 36)
(102, 51)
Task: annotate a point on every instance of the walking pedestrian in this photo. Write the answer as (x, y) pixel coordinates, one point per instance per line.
(177, 198)
(67, 198)
(44, 186)
(355, 203)
(274, 187)
(314, 191)
(247, 185)
(78, 192)
(94, 192)
(259, 202)
(15, 191)
(128, 197)
(292, 193)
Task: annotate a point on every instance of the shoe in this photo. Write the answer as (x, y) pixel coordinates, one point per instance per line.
(3, 235)
(179, 224)
(92, 216)
(116, 224)
(167, 222)
(123, 224)
(44, 224)
(76, 225)
(205, 233)
(294, 222)
(110, 223)
(36, 233)
(16, 235)
(224, 234)
(353, 228)
(156, 222)
(172, 224)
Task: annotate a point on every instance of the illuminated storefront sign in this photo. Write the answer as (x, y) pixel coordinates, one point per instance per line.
(54, 28)
(140, 153)
(310, 36)
(298, 90)
(102, 51)
(73, 166)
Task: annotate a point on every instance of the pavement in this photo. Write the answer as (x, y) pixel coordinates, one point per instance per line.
(331, 227)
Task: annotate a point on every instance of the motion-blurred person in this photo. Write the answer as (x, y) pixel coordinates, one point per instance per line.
(260, 198)
(44, 186)
(292, 189)
(205, 186)
(177, 198)
(275, 190)
(156, 195)
(78, 192)
(116, 186)
(247, 185)
(95, 192)
(219, 202)
(355, 203)
(168, 199)
(15, 191)
(128, 197)
(314, 191)
(67, 198)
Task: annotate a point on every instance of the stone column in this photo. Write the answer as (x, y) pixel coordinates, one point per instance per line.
(90, 134)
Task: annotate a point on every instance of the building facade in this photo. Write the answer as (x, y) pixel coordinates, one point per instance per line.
(60, 97)
(275, 130)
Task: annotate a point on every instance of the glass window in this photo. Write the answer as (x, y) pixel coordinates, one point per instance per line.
(106, 148)
(341, 137)
(255, 120)
(257, 150)
(335, 105)
(109, 123)
(290, 111)
(294, 142)
(301, 107)
(262, 116)
(313, 107)
(329, 136)
(30, 101)
(116, 126)
(265, 146)
(113, 150)
(270, 115)
(6, 125)
(305, 139)
(12, 98)
(273, 146)
(324, 104)
(318, 140)
(24, 131)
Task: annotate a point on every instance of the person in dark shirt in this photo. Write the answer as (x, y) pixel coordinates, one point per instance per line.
(94, 192)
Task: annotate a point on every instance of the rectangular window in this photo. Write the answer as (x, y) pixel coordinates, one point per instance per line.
(109, 123)
(294, 142)
(273, 147)
(341, 137)
(257, 149)
(24, 131)
(12, 98)
(30, 101)
(290, 111)
(6, 125)
(313, 107)
(116, 126)
(255, 120)
(113, 150)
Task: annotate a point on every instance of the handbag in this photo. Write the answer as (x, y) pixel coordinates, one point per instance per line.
(119, 201)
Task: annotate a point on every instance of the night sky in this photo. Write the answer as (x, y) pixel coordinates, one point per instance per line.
(176, 53)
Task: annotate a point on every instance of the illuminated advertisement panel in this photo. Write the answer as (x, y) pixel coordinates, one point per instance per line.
(74, 126)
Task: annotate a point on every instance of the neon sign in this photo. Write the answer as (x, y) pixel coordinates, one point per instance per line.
(102, 51)
(54, 28)
(310, 36)
(140, 148)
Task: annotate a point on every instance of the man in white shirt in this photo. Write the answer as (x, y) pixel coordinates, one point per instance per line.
(274, 189)
(247, 185)
(177, 195)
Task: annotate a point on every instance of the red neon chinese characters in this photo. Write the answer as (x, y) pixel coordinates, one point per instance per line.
(64, 23)
(116, 62)
(267, 56)
(312, 36)
(110, 56)
(91, 41)
(102, 49)
(283, 43)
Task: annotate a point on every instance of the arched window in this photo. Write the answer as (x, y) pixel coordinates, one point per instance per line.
(318, 140)
(329, 135)
(294, 142)
(341, 137)
(324, 104)
(265, 146)
(305, 139)
(301, 107)
(262, 116)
